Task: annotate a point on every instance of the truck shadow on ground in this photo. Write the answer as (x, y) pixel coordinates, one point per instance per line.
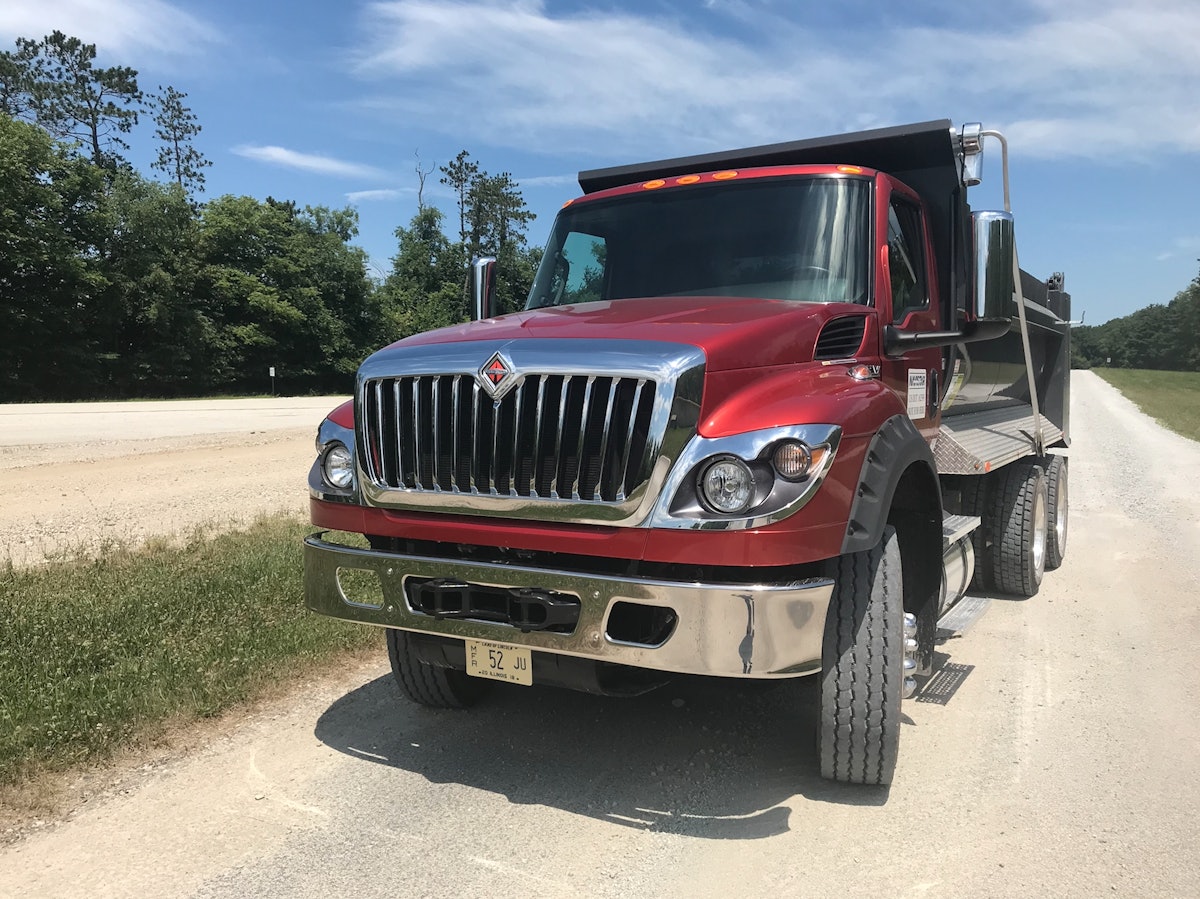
(698, 758)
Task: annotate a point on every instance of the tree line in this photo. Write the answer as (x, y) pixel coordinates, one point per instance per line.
(1160, 337)
(115, 284)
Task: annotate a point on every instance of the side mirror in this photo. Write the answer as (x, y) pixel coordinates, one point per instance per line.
(995, 251)
(483, 286)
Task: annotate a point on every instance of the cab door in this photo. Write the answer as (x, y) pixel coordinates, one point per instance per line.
(908, 302)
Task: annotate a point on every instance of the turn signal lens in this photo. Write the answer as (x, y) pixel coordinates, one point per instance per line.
(338, 466)
(727, 486)
(793, 460)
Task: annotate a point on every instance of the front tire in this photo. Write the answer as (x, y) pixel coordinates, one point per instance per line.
(862, 666)
(428, 685)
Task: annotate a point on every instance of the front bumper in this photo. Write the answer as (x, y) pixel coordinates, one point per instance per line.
(726, 630)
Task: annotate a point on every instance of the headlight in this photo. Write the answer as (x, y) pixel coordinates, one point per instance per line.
(338, 466)
(727, 486)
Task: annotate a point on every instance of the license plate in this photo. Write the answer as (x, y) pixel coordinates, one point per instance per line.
(499, 661)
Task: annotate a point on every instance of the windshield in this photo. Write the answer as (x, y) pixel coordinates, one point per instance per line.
(798, 238)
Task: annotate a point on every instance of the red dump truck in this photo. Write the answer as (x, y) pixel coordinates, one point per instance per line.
(767, 413)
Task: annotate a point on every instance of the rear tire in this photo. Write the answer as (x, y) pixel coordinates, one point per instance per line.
(428, 685)
(1056, 509)
(862, 666)
(1019, 522)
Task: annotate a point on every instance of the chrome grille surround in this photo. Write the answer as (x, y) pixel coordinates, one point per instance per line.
(585, 432)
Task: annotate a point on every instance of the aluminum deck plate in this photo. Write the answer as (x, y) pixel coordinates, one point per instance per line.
(975, 442)
(962, 616)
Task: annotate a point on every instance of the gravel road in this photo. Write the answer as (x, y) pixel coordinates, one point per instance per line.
(76, 477)
(1067, 764)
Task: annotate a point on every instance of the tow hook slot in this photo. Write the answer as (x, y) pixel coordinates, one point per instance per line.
(526, 608)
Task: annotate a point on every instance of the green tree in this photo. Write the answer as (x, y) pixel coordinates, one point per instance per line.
(20, 72)
(77, 101)
(280, 287)
(425, 289)
(1154, 337)
(175, 127)
(459, 174)
(498, 219)
(155, 339)
(51, 227)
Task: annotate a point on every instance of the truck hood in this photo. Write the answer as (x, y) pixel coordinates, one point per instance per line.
(734, 333)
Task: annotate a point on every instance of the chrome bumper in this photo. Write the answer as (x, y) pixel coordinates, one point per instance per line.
(751, 630)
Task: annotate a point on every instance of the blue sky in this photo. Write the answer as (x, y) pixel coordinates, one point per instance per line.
(327, 102)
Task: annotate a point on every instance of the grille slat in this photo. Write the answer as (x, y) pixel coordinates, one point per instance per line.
(417, 432)
(583, 428)
(553, 436)
(607, 432)
(564, 390)
(623, 471)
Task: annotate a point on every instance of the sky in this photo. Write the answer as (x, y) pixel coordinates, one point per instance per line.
(338, 103)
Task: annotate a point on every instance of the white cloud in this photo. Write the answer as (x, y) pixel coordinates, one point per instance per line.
(307, 162)
(114, 26)
(1113, 79)
(1180, 246)
(370, 196)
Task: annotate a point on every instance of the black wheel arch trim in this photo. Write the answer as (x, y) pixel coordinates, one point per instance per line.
(894, 448)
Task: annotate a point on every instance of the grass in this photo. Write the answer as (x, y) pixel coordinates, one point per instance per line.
(97, 653)
(1172, 398)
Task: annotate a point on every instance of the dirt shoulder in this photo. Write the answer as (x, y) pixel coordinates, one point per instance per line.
(77, 478)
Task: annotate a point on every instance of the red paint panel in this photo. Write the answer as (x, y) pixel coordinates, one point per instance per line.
(343, 415)
(736, 402)
(734, 333)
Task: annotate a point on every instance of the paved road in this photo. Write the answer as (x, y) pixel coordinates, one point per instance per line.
(1067, 764)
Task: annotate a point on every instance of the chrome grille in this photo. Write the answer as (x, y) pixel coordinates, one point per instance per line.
(552, 436)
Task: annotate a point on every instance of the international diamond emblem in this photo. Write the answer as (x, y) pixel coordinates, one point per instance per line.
(496, 376)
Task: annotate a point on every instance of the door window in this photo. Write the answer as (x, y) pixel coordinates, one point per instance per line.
(906, 259)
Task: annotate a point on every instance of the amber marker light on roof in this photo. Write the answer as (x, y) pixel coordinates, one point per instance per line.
(568, 203)
(654, 185)
(687, 179)
(850, 169)
(724, 176)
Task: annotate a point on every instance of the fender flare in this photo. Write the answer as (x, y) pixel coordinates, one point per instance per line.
(896, 446)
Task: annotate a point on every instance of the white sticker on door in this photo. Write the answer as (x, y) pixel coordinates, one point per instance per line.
(918, 392)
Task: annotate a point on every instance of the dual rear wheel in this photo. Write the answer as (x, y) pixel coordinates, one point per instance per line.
(1024, 508)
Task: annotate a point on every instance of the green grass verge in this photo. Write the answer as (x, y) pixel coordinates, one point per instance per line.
(1172, 398)
(95, 653)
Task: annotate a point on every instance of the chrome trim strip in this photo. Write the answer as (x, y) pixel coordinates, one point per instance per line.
(623, 471)
(760, 631)
(417, 431)
(584, 419)
(473, 463)
(563, 392)
(517, 405)
(437, 431)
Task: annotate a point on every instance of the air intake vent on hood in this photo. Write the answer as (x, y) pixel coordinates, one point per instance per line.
(841, 338)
